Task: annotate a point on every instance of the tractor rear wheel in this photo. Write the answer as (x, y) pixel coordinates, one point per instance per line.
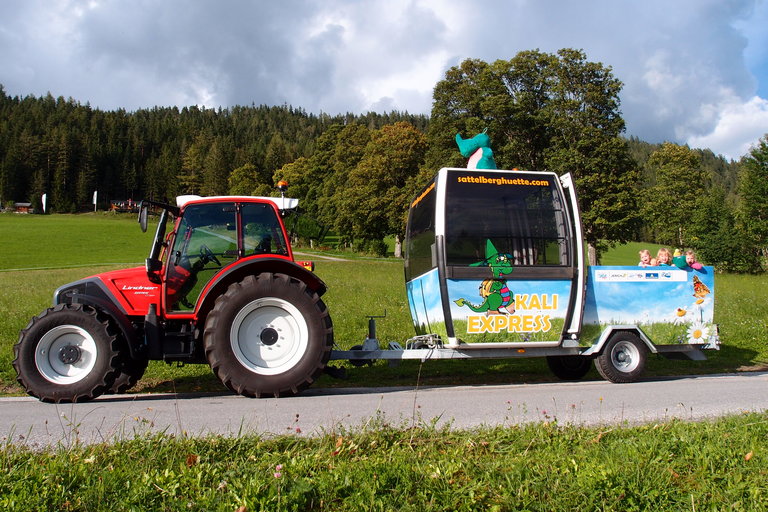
(67, 354)
(268, 335)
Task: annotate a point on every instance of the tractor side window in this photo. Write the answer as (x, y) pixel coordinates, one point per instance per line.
(205, 241)
(262, 233)
(522, 215)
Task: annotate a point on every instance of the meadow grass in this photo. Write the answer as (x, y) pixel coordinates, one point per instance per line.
(61, 241)
(64, 248)
(717, 465)
(628, 254)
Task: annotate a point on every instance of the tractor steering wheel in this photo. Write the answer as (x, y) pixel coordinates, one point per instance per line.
(207, 255)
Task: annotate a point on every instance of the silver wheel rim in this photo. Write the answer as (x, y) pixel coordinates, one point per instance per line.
(269, 336)
(625, 356)
(66, 354)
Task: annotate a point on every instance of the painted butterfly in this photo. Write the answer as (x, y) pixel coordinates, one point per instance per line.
(699, 289)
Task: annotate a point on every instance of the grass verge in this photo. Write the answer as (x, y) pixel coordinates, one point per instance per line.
(719, 465)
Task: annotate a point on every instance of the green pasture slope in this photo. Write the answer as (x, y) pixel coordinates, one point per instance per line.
(412, 466)
(41, 253)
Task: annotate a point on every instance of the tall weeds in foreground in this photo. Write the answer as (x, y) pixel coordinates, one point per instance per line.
(671, 466)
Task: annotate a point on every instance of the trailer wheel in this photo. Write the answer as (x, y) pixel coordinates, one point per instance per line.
(569, 367)
(623, 358)
(67, 354)
(131, 372)
(268, 335)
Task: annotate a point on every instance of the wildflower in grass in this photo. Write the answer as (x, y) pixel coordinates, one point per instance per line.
(698, 333)
(278, 471)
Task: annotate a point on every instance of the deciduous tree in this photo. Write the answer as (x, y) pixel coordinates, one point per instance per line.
(753, 192)
(557, 112)
(380, 185)
(681, 184)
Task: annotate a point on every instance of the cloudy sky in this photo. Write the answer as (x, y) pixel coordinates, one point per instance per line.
(694, 71)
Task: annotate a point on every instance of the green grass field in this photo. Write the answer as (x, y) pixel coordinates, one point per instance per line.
(43, 252)
(717, 465)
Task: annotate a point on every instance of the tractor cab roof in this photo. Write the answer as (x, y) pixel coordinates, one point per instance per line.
(282, 203)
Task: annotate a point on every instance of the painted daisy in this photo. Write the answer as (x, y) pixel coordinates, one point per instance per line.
(698, 333)
(681, 316)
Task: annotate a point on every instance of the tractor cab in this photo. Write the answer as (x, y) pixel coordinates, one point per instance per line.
(211, 234)
(494, 258)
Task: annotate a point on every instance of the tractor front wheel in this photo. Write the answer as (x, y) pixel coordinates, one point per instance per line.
(268, 335)
(67, 354)
(131, 372)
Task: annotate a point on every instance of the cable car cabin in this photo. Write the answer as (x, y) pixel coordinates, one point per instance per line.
(495, 259)
(494, 256)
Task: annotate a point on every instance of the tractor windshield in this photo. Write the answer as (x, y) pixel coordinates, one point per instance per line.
(210, 236)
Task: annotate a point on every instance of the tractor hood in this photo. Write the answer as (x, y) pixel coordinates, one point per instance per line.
(129, 290)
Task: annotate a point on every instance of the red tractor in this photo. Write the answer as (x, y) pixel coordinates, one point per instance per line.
(222, 287)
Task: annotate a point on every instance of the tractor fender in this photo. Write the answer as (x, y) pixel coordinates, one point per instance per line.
(250, 267)
(92, 292)
(609, 331)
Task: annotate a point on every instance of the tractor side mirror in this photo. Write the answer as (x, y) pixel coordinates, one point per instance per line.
(143, 217)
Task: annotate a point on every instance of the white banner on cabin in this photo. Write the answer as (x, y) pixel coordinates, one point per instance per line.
(669, 274)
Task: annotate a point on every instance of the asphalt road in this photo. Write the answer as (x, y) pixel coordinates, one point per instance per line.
(317, 411)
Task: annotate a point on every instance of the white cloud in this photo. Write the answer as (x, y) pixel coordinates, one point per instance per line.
(690, 68)
(739, 126)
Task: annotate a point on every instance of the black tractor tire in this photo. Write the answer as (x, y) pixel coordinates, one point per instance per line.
(68, 353)
(623, 358)
(268, 335)
(131, 371)
(569, 367)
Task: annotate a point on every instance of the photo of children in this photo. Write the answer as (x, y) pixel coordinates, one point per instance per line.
(663, 258)
(645, 258)
(690, 259)
(684, 260)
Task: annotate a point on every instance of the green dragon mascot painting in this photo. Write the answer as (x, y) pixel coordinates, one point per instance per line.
(497, 297)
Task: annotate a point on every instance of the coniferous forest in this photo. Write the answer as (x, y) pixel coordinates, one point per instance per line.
(68, 150)
(355, 174)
